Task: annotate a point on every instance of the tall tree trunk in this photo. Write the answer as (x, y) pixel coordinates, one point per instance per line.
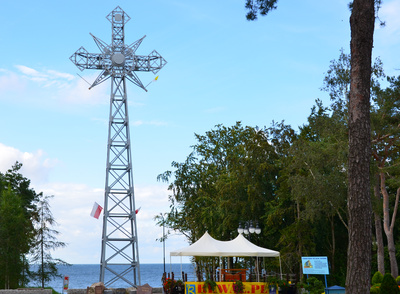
(300, 244)
(333, 244)
(388, 225)
(394, 270)
(380, 252)
(42, 246)
(359, 202)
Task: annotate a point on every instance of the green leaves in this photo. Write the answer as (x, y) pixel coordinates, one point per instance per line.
(25, 228)
(15, 237)
(227, 178)
(259, 6)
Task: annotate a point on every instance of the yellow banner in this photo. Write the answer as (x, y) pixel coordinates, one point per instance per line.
(228, 288)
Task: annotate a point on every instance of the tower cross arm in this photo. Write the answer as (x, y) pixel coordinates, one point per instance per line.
(85, 60)
(153, 62)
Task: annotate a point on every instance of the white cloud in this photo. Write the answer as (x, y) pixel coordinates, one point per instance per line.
(29, 71)
(62, 75)
(45, 75)
(35, 165)
(10, 81)
(62, 87)
(45, 78)
(78, 91)
(72, 204)
(71, 208)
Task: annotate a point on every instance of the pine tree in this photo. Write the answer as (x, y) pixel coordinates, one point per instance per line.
(45, 242)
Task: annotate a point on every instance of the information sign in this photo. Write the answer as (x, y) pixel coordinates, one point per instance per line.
(315, 265)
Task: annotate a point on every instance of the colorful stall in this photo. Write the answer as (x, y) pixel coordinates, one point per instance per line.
(239, 247)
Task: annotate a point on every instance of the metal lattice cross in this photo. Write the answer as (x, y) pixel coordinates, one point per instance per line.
(119, 251)
(118, 59)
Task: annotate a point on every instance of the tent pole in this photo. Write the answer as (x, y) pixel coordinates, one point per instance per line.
(181, 270)
(280, 265)
(220, 266)
(258, 270)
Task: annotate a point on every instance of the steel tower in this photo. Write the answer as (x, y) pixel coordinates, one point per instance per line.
(117, 61)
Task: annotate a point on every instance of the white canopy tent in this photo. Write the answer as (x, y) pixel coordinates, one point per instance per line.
(238, 247)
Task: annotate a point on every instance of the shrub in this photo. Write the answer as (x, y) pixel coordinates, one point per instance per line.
(375, 289)
(314, 286)
(377, 278)
(398, 280)
(389, 285)
(238, 287)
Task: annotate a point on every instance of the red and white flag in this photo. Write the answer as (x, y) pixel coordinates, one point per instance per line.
(96, 210)
(137, 210)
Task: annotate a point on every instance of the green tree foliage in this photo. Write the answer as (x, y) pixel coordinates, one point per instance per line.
(385, 122)
(362, 25)
(25, 231)
(295, 182)
(385, 134)
(16, 230)
(45, 242)
(20, 185)
(14, 239)
(227, 178)
(259, 6)
(310, 204)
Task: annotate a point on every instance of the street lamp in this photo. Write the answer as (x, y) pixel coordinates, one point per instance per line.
(163, 236)
(249, 229)
(240, 229)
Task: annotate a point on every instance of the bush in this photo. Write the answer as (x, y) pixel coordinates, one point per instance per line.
(314, 286)
(398, 280)
(375, 289)
(377, 278)
(389, 285)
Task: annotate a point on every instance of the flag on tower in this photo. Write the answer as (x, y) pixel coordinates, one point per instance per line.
(96, 210)
(137, 210)
(154, 80)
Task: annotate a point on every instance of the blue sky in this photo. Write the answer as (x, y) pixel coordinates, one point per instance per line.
(221, 69)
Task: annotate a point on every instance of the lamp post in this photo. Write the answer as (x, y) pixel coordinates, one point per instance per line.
(163, 241)
(163, 236)
(249, 229)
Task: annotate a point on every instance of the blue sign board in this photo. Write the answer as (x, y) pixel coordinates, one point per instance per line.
(315, 265)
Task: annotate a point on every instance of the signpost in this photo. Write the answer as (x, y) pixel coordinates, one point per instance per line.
(315, 265)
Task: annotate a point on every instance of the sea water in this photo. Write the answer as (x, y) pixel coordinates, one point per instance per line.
(84, 275)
